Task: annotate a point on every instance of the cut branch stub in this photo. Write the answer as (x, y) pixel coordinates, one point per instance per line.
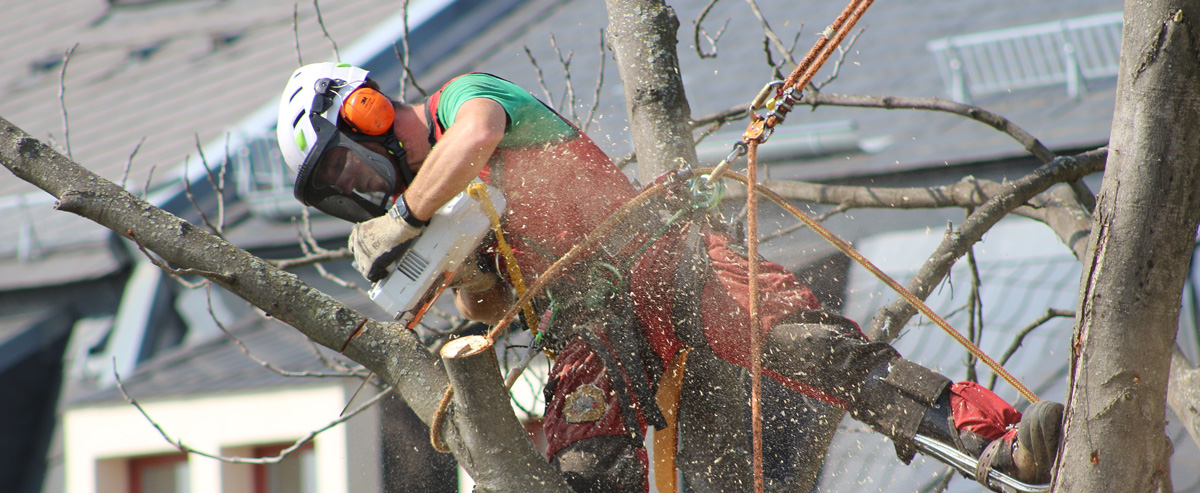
(495, 438)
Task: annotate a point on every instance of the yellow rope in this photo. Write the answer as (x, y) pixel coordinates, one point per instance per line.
(478, 191)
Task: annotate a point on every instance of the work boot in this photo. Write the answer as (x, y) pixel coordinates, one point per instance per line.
(1026, 452)
(1029, 456)
(900, 399)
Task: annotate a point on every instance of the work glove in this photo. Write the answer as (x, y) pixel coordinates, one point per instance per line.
(378, 242)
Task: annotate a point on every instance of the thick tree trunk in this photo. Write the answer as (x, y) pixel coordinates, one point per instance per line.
(641, 34)
(1143, 236)
(393, 353)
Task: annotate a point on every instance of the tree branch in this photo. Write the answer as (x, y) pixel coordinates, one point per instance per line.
(890, 319)
(387, 349)
(655, 102)
(62, 98)
(479, 393)
(336, 54)
(599, 84)
(182, 447)
(697, 31)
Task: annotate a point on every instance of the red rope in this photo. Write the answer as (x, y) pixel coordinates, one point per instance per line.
(755, 333)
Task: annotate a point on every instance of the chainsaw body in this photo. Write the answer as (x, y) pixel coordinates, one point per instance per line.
(422, 271)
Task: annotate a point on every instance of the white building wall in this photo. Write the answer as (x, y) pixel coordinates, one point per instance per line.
(100, 439)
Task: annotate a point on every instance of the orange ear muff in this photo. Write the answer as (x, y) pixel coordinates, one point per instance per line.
(369, 112)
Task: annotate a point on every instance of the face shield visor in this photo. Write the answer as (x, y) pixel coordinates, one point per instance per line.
(346, 180)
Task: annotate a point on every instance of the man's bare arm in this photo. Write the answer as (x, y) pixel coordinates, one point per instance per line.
(458, 157)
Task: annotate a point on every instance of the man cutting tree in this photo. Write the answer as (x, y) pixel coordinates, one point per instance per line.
(668, 278)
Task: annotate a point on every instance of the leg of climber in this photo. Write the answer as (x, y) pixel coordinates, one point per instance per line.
(587, 430)
(901, 399)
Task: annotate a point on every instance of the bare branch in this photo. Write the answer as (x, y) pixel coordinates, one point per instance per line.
(317, 6)
(187, 189)
(1051, 313)
(149, 177)
(569, 95)
(599, 84)
(182, 447)
(704, 134)
(721, 117)
(329, 363)
(974, 314)
(1027, 140)
(307, 242)
(296, 32)
(541, 79)
(967, 193)
(770, 33)
(129, 164)
(313, 259)
(62, 101)
(843, 49)
(697, 31)
(316, 256)
(403, 57)
(360, 372)
(217, 183)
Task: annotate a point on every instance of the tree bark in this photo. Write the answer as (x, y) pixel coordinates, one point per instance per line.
(641, 34)
(1143, 236)
(393, 353)
(496, 440)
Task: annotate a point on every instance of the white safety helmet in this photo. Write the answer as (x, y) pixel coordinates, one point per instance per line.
(318, 114)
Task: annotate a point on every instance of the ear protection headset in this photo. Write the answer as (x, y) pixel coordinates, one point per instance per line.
(368, 112)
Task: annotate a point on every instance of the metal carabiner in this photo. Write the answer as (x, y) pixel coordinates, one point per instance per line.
(739, 150)
(764, 93)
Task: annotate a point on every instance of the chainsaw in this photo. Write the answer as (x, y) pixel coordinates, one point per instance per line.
(965, 464)
(416, 279)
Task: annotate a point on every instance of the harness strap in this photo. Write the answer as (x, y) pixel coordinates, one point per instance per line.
(666, 445)
(691, 270)
(628, 409)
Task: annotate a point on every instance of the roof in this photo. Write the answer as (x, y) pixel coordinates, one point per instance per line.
(170, 72)
(145, 87)
(220, 366)
(890, 58)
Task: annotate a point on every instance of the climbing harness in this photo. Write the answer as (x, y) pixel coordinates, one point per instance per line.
(705, 192)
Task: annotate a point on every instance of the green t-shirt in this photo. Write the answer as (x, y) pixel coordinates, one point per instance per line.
(529, 121)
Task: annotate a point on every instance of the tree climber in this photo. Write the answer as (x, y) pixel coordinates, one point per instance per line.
(661, 282)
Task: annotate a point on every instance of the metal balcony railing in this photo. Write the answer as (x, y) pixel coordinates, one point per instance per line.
(30, 227)
(264, 181)
(1070, 52)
